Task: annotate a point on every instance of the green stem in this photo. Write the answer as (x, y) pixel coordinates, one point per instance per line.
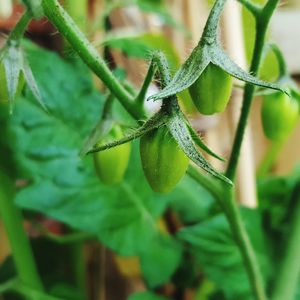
(66, 26)
(211, 27)
(242, 239)
(107, 109)
(234, 217)
(283, 70)
(289, 272)
(262, 22)
(148, 79)
(252, 7)
(19, 242)
(269, 158)
(17, 33)
(228, 203)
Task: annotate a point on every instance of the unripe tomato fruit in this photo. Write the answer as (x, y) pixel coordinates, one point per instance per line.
(164, 163)
(212, 90)
(279, 115)
(4, 96)
(111, 164)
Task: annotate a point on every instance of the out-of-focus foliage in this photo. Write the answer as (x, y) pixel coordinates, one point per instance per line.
(65, 187)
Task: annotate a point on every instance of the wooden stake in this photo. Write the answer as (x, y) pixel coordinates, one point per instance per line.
(233, 33)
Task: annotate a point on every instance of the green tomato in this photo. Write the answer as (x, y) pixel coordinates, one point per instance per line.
(212, 90)
(4, 96)
(279, 115)
(111, 164)
(164, 163)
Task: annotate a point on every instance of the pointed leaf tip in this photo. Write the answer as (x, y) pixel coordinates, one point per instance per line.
(182, 135)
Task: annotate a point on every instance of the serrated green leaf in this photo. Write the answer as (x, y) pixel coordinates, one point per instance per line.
(217, 253)
(124, 217)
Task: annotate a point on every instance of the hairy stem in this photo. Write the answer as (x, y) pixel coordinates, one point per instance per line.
(148, 79)
(289, 272)
(19, 242)
(210, 29)
(88, 53)
(17, 33)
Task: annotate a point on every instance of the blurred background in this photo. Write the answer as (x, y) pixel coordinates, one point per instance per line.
(125, 32)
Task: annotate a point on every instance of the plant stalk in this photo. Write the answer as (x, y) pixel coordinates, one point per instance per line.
(17, 33)
(233, 215)
(88, 53)
(19, 242)
(262, 22)
(243, 241)
(289, 272)
(269, 158)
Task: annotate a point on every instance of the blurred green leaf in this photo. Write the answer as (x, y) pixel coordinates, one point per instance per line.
(217, 253)
(198, 206)
(66, 188)
(165, 252)
(156, 7)
(66, 291)
(7, 270)
(142, 44)
(274, 194)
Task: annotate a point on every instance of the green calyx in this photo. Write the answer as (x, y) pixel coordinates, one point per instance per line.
(211, 91)
(14, 73)
(170, 117)
(7, 92)
(208, 51)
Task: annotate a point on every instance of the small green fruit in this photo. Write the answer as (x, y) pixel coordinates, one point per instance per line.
(212, 90)
(279, 115)
(164, 163)
(111, 164)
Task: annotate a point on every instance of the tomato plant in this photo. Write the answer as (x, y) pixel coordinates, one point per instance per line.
(119, 190)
